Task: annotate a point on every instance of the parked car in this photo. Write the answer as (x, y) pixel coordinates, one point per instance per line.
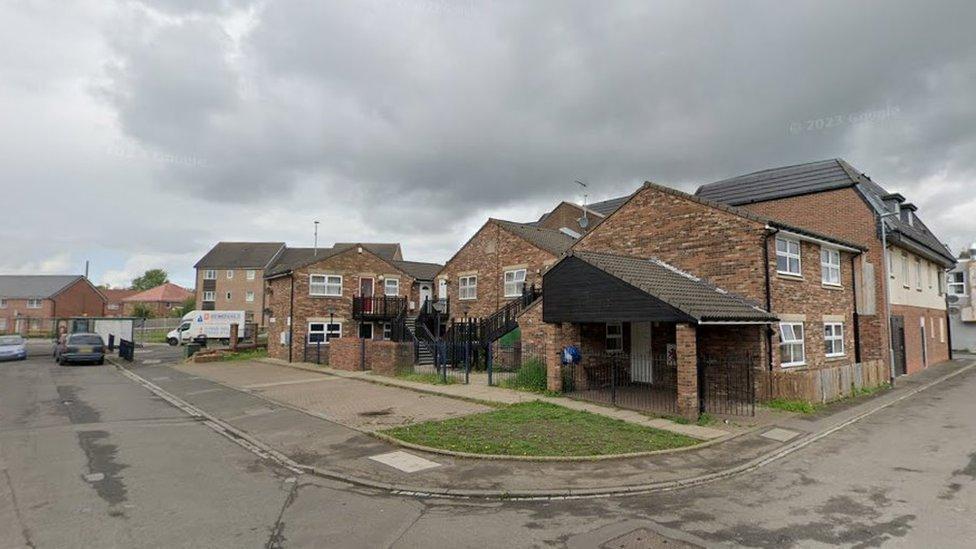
(13, 347)
(81, 347)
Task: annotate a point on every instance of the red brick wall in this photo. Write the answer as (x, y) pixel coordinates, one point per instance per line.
(487, 254)
(567, 215)
(346, 353)
(80, 299)
(936, 346)
(388, 357)
(687, 350)
(351, 265)
(820, 212)
(711, 243)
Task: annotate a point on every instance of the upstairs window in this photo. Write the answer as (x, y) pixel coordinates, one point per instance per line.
(791, 348)
(615, 337)
(250, 274)
(904, 271)
(833, 339)
(210, 274)
(788, 256)
(249, 296)
(468, 287)
(230, 274)
(33, 303)
(209, 296)
(957, 283)
(918, 274)
(3, 303)
(830, 266)
(514, 282)
(325, 285)
(391, 286)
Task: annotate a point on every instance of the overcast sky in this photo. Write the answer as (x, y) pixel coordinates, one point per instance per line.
(137, 134)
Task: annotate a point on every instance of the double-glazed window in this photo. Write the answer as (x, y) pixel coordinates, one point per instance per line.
(249, 296)
(830, 266)
(514, 282)
(230, 274)
(210, 274)
(957, 283)
(387, 331)
(250, 274)
(325, 285)
(918, 274)
(3, 303)
(33, 303)
(391, 286)
(788, 256)
(209, 296)
(791, 348)
(468, 287)
(323, 332)
(904, 271)
(615, 337)
(833, 339)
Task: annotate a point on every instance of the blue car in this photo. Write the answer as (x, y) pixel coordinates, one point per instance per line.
(13, 348)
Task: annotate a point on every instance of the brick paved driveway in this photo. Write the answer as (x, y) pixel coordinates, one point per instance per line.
(357, 404)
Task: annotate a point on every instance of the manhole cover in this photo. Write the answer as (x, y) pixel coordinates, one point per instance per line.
(642, 538)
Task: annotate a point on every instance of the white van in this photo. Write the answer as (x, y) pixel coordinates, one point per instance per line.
(204, 325)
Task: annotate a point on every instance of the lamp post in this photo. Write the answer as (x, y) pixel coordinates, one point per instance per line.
(887, 292)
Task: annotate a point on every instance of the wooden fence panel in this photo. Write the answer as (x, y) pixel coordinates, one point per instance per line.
(820, 385)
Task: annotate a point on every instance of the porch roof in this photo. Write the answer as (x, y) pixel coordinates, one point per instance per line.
(640, 289)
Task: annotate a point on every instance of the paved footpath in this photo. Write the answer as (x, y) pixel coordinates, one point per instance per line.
(342, 452)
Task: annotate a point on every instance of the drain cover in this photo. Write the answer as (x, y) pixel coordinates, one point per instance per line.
(376, 413)
(642, 538)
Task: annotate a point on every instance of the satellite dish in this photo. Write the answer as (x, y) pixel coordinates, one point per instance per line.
(584, 222)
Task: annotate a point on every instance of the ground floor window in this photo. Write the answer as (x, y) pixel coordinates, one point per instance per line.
(615, 337)
(209, 296)
(387, 331)
(366, 331)
(323, 332)
(791, 348)
(834, 339)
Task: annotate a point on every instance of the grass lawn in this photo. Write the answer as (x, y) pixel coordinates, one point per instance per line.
(249, 354)
(539, 429)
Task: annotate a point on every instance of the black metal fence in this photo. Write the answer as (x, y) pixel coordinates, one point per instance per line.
(641, 381)
(727, 384)
(517, 363)
(317, 353)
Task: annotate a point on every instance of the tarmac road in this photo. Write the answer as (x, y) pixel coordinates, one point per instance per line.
(89, 458)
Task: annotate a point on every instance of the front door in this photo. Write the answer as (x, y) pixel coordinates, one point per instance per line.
(425, 294)
(641, 366)
(366, 291)
(898, 344)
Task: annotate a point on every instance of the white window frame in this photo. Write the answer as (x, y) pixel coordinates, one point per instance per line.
(327, 287)
(951, 285)
(515, 286)
(249, 296)
(905, 271)
(918, 274)
(386, 286)
(468, 287)
(788, 256)
(830, 273)
(387, 331)
(3, 303)
(792, 342)
(3, 323)
(329, 331)
(834, 335)
(228, 296)
(210, 274)
(230, 274)
(617, 335)
(211, 294)
(941, 330)
(113, 306)
(34, 302)
(928, 272)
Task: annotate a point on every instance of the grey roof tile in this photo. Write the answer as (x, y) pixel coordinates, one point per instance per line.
(39, 286)
(418, 269)
(550, 240)
(240, 255)
(683, 291)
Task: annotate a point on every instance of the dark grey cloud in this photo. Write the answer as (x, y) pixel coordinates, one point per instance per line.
(415, 120)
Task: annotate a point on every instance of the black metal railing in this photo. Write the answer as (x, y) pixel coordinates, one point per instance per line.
(504, 320)
(727, 384)
(641, 381)
(378, 308)
(518, 364)
(317, 352)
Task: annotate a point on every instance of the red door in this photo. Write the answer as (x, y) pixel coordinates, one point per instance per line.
(366, 291)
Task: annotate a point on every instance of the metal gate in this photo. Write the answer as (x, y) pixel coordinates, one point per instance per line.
(636, 381)
(726, 385)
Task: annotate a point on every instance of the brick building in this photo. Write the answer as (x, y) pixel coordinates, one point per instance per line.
(961, 290)
(833, 197)
(495, 264)
(114, 304)
(671, 281)
(29, 303)
(576, 219)
(348, 290)
(161, 301)
(230, 277)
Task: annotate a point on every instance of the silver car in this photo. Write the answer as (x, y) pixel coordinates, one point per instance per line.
(13, 347)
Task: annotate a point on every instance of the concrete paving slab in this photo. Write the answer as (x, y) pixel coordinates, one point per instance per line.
(781, 435)
(405, 461)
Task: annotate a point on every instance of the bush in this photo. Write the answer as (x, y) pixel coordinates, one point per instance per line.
(531, 376)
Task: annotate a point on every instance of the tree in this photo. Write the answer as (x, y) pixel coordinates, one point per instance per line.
(141, 310)
(188, 305)
(150, 279)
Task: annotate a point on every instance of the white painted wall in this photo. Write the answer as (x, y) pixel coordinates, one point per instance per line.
(904, 291)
